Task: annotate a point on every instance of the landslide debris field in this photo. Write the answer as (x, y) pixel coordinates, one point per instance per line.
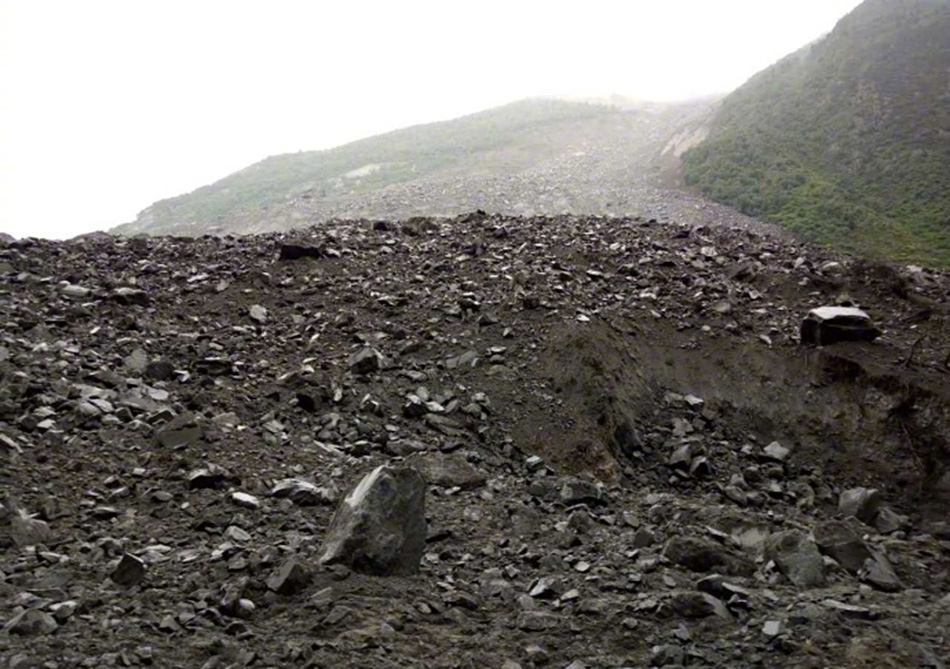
(628, 458)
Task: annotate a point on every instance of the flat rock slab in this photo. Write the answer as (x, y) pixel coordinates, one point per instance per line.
(380, 527)
(448, 470)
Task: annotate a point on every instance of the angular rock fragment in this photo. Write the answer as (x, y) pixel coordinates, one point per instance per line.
(862, 503)
(31, 622)
(292, 577)
(298, 251)
(448, 470)
(850, 610)
(180, 431)
(797, 557)
(831, 325)
(303, 492)
(699, 605)
(840, 541)
(211, 476)
(700, 555)
(878, 572)
(25, 530)
(130, 296)
(258, 314)
(365, 361)
(578, 491)
(129, 572)
(380, 527)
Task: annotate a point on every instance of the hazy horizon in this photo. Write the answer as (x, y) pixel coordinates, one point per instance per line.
(110, 106)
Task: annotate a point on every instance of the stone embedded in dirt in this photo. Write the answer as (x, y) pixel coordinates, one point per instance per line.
(129, 572)
(797, 557)
(537, 621)
(775, 451)
(365, 361)
(862, 503)
(693, 604)
(889, 521)
(839, 540)
(74, 292)
(298, 251)
(448, 470)
(850, 610)
(180, 431)
(31, 622)
(63, 611)
(159, 370)
(245, 500)
(878, 572)
(667, 655)
(578, 491)
(258, 314)
(130, 296)
(831, 325)
(773, 628)
(25, 530)
(291, 578)
(380, 527)
(304, 493)
(701, 555)
(211, 476)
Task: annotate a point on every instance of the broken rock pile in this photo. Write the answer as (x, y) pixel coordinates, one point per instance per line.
(473, 442)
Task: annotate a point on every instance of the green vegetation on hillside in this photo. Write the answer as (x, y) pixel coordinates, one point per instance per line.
(847, 141)
(520, 134)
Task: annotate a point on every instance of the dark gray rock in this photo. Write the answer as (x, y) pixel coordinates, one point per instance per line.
(839, 540)
(862, 503)
(304, 493)
(878, 573)
(693, 604)
(448, 470)
(212, 476)
(797, 557)
(577, 491)
(129, 572)
(298, 251)
(31, 622)
(365, 361)
(28, 531)
(850, 610)
(701, 555)
(179, 431)
(290, 578)
(380, 527)
(830, 325)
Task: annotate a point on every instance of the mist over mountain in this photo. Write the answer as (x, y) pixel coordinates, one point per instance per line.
(538, 156)
(847, 141)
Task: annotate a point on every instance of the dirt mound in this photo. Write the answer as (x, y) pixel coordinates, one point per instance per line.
(632, 460)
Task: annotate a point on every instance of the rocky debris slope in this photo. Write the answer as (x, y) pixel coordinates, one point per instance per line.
(583, 442)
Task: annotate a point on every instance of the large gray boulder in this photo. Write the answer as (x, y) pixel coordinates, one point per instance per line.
(830, 325)
(862, 503)
(839, 540)
(797, 557)
(380, 527)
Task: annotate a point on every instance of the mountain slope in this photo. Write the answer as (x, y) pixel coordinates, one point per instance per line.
(533, 156)
(847, 141)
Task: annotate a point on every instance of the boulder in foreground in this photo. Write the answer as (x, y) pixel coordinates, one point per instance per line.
(380, 527)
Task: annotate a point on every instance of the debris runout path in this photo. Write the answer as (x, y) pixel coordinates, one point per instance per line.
(623, 454)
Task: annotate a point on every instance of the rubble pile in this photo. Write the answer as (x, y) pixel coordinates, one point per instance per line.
(483, 441)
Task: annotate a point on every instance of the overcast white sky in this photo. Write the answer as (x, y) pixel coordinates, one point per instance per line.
(109, 105)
